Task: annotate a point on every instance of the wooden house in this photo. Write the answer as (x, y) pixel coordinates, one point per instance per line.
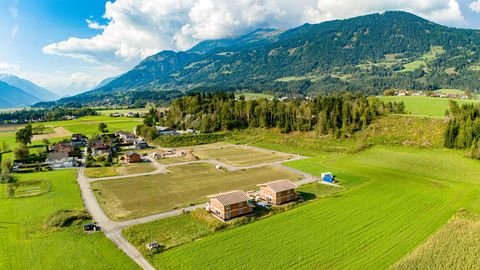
(230, 204)
(132, 157)
(278, 192)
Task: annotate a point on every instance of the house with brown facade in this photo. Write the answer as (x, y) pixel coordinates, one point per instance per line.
(278, 192)
(230, 204)
(132, 157)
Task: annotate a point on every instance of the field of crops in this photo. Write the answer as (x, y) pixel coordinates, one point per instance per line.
(184, 185)
(124, 169)
(27, 244)
(455, 246)
(397, 198)
(425, 106)
(239, 156)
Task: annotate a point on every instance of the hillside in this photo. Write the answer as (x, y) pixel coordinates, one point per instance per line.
(368, 54)
(11, 97)
(29, 87)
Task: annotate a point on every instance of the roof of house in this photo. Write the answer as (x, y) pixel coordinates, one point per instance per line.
(231, 197)
(131, 153)
(280, 185)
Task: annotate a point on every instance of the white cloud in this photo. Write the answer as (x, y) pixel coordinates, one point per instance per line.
(94, 25)
(136, 29)
(14, 31)
(441, 11)
(6, 67)
(475, 6)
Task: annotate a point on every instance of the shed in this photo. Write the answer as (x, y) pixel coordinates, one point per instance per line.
(328, 177)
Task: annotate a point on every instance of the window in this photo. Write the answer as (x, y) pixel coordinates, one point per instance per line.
(240, 204)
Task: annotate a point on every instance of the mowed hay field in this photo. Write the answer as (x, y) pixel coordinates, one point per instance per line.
(124, 169)
(27, 244)
(456, 244)
(425, 106)
(184, 185)
(397, 197)
(240, 156)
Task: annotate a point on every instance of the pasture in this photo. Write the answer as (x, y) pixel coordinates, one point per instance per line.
(396, 198)
(28, 244)
(182, 186)
(425, 106)
(238, 155)
(119, 170)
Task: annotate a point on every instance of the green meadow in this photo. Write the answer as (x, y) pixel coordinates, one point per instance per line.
(27, 242)
(396, 197)
(425, 106)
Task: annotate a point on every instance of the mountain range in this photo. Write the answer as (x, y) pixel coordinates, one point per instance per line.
(17, 92)
(368, 54)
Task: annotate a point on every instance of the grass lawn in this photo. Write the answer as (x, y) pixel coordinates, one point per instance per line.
(27, 244)
(254, 95)
(413, 65)
(183, 185)
(239, 156)
(425, 106)
(396, 198)
(454, 246)
(126, 169)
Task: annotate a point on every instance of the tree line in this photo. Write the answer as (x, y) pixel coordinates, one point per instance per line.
(339, 114)
(463, 129)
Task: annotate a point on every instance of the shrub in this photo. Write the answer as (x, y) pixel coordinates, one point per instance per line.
(65, 218)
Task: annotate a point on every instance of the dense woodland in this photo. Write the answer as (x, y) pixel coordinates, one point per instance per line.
(340, 114)
(463, 130)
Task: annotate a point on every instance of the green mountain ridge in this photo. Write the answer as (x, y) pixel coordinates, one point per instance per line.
(366, 54)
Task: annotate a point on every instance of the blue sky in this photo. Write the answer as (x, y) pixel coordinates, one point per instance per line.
(71, 45)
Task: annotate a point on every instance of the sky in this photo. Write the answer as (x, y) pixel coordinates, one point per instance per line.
(69, 46)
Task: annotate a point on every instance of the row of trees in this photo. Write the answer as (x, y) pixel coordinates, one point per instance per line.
(339, 114)
(51, 114)
(463, 129)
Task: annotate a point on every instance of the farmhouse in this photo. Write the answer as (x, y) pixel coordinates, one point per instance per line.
(278, 192)
(230, 204)
(132, 157)
(78, 140)
(126, 138)
(61, 156)
(99, 147)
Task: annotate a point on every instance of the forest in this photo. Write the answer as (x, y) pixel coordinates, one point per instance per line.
(338, 114)
(463, 130)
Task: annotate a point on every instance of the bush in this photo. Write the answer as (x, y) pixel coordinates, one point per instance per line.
(65, 218)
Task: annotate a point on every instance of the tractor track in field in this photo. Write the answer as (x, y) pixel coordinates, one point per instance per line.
(113, 229)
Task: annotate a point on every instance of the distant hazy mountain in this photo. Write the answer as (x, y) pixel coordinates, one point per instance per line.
(105, 82)
(29, 87)
(366, 54)
(11, 97)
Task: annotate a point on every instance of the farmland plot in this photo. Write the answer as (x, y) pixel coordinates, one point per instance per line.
(398, 197)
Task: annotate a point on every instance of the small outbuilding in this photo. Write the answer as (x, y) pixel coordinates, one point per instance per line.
(278, 192)
(328, 177)
(230, 204)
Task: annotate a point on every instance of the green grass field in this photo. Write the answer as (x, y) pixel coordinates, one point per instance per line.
(125, 169)
(397, 197)
(27, 244)
(254, 95)
(239, 156)
(425, 106)
(183, 185)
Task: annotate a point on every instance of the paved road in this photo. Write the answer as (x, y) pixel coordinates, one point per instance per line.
(113, 229)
